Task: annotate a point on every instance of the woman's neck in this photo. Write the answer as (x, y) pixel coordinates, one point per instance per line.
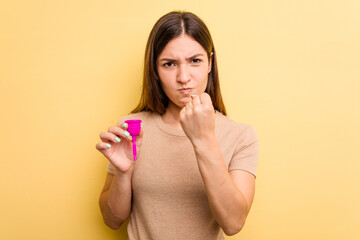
(171, 116)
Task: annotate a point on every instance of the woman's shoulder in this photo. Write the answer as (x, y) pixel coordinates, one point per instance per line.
(143, 116)
(229, 126)
(226, 122)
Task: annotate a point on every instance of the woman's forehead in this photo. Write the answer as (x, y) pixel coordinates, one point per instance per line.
(182, 46)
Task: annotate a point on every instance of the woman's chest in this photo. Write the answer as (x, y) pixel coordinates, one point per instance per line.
(167, 166)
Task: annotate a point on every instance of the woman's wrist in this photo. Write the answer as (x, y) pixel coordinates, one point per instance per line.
(122, 174)
(205, 144)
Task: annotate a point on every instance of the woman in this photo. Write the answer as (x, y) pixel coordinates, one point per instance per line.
(195, 172)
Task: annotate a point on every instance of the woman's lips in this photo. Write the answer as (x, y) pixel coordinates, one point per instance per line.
(185, 90)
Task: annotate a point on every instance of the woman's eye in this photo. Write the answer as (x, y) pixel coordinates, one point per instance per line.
(196, 60)
(169, 64)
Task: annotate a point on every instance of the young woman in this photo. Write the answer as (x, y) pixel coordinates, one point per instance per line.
(195, 173)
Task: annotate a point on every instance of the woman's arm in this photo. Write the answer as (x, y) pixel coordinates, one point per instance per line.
(115, 199)
(231, 194)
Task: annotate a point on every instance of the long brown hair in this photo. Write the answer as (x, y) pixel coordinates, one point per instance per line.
(166, 28)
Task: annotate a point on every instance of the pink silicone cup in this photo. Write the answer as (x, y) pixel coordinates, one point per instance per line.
(134, 128)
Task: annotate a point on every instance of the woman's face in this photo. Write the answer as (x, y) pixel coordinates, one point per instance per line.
(183, 68)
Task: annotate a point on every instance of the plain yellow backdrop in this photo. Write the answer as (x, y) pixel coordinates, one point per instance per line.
(70, 69)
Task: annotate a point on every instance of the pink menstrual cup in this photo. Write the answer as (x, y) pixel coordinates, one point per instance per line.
(134, 128)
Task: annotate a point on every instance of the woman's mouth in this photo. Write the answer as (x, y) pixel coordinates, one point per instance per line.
(185, 90)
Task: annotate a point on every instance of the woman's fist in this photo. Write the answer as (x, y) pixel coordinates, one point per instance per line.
(197, 119)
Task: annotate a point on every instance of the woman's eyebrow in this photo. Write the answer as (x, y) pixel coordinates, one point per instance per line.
(173, 60)
(167, 59)
(195, 56)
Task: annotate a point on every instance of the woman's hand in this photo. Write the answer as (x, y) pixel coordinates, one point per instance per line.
(116, 146)
(197, 119)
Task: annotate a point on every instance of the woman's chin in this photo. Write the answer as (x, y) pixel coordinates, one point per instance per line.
(185, 101)
(181, 103)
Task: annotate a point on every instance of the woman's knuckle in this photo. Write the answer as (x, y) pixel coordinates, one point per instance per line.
(197, 109)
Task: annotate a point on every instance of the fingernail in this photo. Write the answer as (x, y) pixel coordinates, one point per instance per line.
(125, 125)
(117, 139)
(126, 134)
(108, 145)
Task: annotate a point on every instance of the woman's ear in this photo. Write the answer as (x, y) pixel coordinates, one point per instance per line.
(210, 61)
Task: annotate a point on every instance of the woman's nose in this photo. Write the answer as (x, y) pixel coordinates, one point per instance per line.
(183, 73)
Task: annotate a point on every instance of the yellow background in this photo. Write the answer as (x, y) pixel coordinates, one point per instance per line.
(70, 69)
